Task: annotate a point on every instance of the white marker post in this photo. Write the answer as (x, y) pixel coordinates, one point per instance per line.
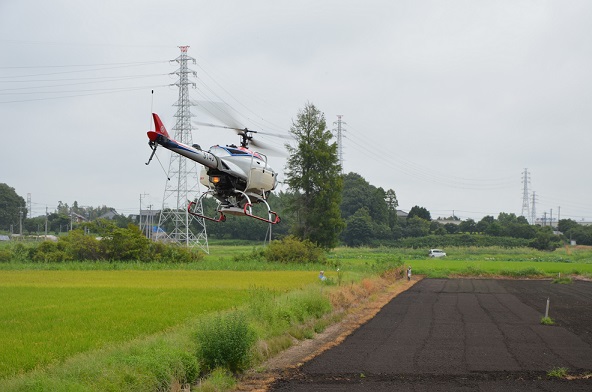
(547, 309)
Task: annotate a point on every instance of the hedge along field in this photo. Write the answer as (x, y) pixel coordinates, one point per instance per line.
(47, 316)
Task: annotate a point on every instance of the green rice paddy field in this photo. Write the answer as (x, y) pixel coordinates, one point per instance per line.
(47, 316)
(51, 312)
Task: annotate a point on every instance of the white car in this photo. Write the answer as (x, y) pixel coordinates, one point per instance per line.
(436, 253)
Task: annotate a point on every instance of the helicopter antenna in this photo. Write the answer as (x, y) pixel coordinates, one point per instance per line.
(165, 172)
(151, 109)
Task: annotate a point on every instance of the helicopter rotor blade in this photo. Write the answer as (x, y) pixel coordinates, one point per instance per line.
(216, 126)
(267, 149)
(241, 130)
(221, 112)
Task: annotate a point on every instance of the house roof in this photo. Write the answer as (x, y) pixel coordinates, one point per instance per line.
(109, 214)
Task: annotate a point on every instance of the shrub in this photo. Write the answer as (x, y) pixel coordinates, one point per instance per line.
(257, 254)
(291, 250)
(48, 252)
(21, 253)
(175, 253)
(545, 241)
(547, 321)
(120, 244)
(126, 244)
(80, 246)
(225, 341)
(5, 255)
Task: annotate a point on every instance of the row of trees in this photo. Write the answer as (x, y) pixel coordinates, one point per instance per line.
(113, 243)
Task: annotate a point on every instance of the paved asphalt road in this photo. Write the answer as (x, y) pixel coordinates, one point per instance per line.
(462, 335)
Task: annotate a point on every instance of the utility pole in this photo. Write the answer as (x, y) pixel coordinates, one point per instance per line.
(340, 131)
(525, 207)
(46, 218)
(140, 223)
(149, 225)
(21, 223)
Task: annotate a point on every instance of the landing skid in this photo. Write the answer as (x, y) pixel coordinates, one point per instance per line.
(246, 210)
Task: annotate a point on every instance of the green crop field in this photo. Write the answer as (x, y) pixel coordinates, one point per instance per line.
(473, 261)
(442, 268)
(47, 316)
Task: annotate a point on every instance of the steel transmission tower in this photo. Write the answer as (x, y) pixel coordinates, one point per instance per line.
(29, 208)
(525, 204)
(340, 131)
(182, 185)
(533, 211)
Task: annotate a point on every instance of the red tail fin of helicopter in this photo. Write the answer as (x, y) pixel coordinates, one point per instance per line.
(159, 129)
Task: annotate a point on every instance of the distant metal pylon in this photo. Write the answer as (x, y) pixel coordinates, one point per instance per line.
(525, 202)
(182, 185)
(339, 132)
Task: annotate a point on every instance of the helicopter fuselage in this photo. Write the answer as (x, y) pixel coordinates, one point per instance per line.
(225, 169)
(236, 176)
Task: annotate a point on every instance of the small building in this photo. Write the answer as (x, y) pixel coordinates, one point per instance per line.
(150, 216)
(402, 215)
(111, 214)
(78, 218)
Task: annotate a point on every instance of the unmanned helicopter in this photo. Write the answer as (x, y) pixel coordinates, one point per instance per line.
(236, 176)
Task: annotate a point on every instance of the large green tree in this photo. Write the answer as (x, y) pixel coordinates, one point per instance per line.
(420, 212)
(11, 207)
(314, 176)
(358, 193)
(390, 197)
(358, 229)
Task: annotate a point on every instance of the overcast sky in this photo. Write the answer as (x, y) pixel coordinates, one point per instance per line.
(446, 102)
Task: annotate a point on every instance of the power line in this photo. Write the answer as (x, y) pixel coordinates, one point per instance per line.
(119, 90)
(425, 174)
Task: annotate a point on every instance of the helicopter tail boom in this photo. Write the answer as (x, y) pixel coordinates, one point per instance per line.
(161, 136)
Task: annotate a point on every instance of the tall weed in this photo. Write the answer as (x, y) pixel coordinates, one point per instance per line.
(225, 340)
